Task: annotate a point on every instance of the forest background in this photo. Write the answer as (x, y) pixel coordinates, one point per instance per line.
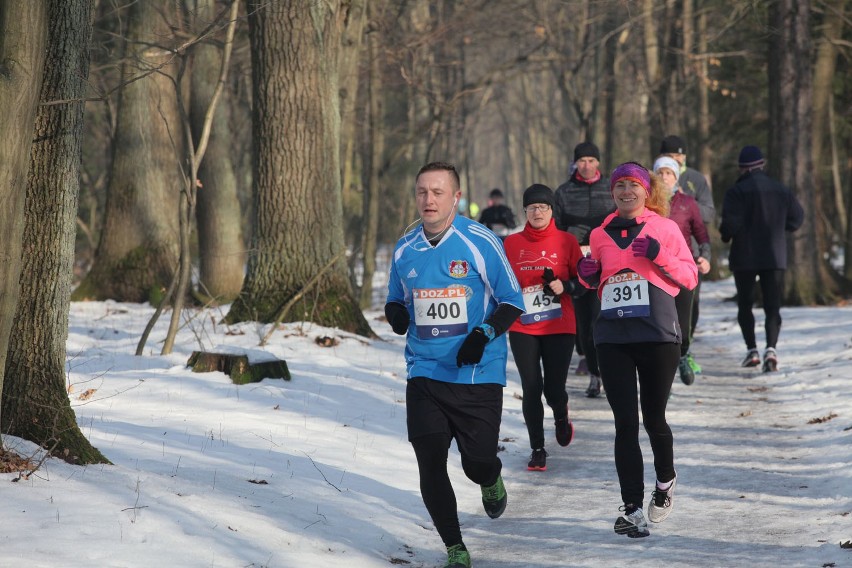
(261, 154)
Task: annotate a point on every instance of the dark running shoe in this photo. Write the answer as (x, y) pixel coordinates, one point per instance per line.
(564, 431)
(582, 367)
(457, 557)
(494, 498)
(770, 360)
(661, 503)
(595, 385)
(632, 522)
(538, 460)
(687, 375)
(752, 358)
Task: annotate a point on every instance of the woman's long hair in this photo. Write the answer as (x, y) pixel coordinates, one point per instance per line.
(660, 197)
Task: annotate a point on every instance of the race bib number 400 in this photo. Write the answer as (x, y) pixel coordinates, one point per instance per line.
(539, 307)
(440, 312)
(625, 295)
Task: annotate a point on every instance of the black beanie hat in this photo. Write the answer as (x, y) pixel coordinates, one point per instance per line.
(751, 157)
(673, 145)
(538, 193)
(586, 150)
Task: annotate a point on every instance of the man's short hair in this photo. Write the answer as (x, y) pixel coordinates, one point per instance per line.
(496, 193)
(441, 166)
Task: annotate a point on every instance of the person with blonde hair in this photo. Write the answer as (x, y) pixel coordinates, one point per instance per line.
(639, 262)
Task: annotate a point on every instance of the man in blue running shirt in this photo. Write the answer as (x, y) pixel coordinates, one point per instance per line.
(452, 291)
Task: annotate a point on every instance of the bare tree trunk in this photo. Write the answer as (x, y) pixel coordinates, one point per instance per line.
(23, 27)
(824, 69)
(220, 242)
(790, 157)
(298, 214)
(138, 249)
(372, 165)
(35, 399)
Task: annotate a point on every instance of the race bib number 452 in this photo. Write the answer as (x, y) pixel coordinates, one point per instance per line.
(440, 312)
(538, 306)
(625, 295)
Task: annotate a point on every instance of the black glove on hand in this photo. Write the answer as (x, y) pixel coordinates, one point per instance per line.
(547, 277)
(398, 317)
(470, 352)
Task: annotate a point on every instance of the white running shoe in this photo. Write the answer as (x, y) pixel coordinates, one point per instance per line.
(661, 503)
(632, 522)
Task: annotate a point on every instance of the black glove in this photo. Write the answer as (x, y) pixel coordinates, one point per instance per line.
(470, 352)
(547, 277)
(398, 317)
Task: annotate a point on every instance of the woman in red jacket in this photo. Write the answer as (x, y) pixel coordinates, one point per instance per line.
(544, 260)
(639, 262)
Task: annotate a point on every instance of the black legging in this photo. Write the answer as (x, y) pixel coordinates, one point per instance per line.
(696, 293)
(655, 364)
(771, 288)
(683, 304)
(432, 451)
(531, 353)
(587, 307)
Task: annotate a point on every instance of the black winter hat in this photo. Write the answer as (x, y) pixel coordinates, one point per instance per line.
(673, 145)
(538, 193)
(586, 150)
(751, 157)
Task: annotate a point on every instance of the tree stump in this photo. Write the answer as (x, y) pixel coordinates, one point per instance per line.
(238, 367)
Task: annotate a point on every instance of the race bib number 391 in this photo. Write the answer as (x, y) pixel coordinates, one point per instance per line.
(440, 312)
(625, 295)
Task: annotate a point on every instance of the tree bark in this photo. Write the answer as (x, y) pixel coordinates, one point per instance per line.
(790, 160)
(298, 212)
(824, 69)
(35, 399)
(137, 253)
(372, 165)
(220, 241)
(23, 29)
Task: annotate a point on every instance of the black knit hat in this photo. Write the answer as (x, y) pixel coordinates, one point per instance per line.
(751, 157)
(538, 193)
(673, 145)
(586, 150)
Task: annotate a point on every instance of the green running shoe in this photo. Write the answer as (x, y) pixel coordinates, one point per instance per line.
(696, 368)
(457, 557)
(494, 498)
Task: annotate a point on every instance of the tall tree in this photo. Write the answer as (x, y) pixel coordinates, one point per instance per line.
(23, 36)
(35, 399)
(220, 243)
(137, 253)
(298, 212)
(790, 119)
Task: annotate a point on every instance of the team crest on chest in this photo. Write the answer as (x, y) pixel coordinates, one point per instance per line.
(459, 268)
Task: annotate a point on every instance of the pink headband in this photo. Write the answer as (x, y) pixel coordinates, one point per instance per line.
(634, 172)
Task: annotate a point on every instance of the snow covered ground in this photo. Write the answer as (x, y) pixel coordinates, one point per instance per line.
(317, 471)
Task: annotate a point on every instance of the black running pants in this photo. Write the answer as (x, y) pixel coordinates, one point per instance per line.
(772, 289)
(532, 353)
(655, 365)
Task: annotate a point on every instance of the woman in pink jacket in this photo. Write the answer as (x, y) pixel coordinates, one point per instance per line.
(639, 261)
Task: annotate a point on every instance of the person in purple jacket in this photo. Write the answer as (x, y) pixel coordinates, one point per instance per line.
(683, 210)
